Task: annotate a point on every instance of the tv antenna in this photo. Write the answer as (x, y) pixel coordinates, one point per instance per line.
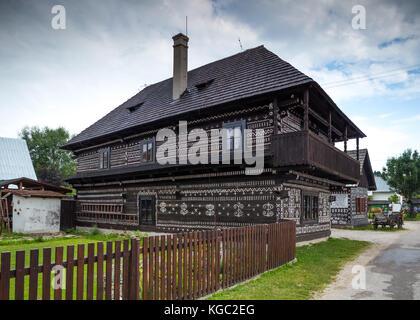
(240, 43)
(186, 25)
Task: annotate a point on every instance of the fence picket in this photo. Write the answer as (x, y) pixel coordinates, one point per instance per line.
(58, 293)
(46, 274)
(33, 274)
(100, 271)
(117, 270)
(20, 275)
(70, 272)
(108, 271)
(180, 266)
(126, 268)
(90, 271)
(162, 267)
(80, 271)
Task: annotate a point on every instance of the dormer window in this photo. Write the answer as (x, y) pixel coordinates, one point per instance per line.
(147, 150)
(204, 85)
(136, 107)
(104, 158)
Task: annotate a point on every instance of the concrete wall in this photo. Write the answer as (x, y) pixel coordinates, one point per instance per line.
(36, 215)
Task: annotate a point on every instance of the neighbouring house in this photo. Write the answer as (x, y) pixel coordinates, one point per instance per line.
(350, 205)
(379, 198)
(121, 185)
(15, 161)
(416, 205)
(30, 206)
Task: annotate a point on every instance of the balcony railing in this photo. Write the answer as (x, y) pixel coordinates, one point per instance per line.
(104, 213)
(305, 149)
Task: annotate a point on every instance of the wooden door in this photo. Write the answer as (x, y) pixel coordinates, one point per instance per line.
(147, 214)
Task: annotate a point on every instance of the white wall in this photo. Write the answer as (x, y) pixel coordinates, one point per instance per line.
(36, 215)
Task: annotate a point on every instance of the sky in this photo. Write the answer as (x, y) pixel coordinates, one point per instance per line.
(111, 49)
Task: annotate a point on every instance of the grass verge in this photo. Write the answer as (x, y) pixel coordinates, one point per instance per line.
(316, 267)
(380, 228)
(416, 218)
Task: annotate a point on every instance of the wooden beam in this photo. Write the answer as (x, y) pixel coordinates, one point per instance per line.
(329, 127)
(325, 122)
(357, 148)
(275, 112)
(345, 140)
(306, 110)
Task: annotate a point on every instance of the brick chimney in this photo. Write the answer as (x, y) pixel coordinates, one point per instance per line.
(179, 81)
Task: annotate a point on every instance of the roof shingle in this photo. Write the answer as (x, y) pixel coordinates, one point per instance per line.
(246, 74)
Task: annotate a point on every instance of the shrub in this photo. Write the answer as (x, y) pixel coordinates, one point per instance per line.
(94, 231)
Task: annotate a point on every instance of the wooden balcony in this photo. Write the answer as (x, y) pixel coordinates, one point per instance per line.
(108, 213)
(305, 150)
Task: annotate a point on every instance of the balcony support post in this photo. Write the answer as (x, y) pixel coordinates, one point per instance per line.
(275, 114)
(357, 149)
(345, 140)
(330, 128)
(306, 110)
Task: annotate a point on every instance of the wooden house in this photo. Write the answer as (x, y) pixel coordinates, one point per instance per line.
(121, 185)
(350, 205)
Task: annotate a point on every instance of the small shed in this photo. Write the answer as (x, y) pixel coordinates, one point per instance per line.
(30, 206)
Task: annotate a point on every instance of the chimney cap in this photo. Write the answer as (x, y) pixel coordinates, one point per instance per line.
(180, 39)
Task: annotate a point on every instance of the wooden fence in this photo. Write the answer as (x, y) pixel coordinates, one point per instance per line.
(180, 266)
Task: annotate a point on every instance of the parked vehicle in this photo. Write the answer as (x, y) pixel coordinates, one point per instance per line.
(391, 219)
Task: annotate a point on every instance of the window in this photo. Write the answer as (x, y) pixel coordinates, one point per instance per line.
(310, 208)
(104, 158)
(360, 205)
(135, 107)
(234, 135)
(147, 150)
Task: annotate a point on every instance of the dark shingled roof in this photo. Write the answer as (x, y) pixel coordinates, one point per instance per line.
(362, 157)
(364, 163)
(246, 74)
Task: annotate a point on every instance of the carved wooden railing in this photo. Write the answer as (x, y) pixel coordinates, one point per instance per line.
(104, 213)
(304, 148)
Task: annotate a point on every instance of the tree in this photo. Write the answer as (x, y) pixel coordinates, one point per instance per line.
(52, 164)
(394, 198)
(403, 175)
(377, 173)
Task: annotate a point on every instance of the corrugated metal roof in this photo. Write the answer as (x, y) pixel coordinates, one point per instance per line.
(15, 161)
(381, 185)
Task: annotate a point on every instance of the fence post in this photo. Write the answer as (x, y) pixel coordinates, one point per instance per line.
(134, 270)
(5, 276)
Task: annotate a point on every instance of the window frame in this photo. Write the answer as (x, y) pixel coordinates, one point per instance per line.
(233, 125)
(101, 152)
(361, 205)
(312, 196)
(146, 142)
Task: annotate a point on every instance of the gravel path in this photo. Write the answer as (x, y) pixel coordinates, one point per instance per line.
(392, 266)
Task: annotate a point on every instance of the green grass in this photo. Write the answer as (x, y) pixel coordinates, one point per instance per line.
(380, 228)
(13, 246)
(416, 218)
(316, 266)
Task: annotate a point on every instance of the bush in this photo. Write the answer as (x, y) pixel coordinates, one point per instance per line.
(39, 239)
(94, 231)
(70, 231)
